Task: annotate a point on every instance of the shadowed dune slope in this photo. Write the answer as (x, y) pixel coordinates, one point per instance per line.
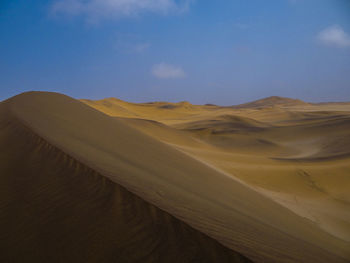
(201, 196)
(56, 209)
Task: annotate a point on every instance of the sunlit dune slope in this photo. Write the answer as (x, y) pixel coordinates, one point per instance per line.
(295, 153)
(159, 111)
(107, 181)
(300, 167)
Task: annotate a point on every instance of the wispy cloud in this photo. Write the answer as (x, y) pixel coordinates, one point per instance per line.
(95, 10)
(166, 71)
(334, 36)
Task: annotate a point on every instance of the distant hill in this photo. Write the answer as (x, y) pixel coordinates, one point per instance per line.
(272, 101)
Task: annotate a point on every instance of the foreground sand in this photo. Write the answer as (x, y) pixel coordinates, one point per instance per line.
(194, 184)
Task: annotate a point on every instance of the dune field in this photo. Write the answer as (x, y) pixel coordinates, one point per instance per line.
(113, 181)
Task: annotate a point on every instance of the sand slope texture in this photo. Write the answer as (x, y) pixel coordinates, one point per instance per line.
(111, 181)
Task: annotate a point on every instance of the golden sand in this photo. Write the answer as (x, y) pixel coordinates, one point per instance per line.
(103, 181)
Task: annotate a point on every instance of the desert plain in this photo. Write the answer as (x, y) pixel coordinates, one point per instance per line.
(114, 181)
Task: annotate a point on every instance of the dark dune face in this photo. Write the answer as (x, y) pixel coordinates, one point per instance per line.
(55, 209)
(78, 185)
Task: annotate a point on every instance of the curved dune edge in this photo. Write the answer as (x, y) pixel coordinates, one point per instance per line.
(314, 141)
(328, 211)
(313, 158)
(56, 209)
(242, 221)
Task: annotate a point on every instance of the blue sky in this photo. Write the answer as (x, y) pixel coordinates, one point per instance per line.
(203, 51)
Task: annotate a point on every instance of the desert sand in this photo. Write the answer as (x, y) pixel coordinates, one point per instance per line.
(113, 181)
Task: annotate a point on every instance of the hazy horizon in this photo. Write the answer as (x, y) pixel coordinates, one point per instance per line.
(180, 101)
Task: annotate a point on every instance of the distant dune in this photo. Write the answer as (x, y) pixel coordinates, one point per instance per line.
(273, 101)
(112, 181)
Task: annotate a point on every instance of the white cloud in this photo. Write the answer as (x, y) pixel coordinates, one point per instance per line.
(334, 36)
(166, 71)
(97, 9)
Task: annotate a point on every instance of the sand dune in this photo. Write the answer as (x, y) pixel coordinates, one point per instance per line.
(297, 165)
(272, 102)
(157, 182)
(294, 152)
(57, 209)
